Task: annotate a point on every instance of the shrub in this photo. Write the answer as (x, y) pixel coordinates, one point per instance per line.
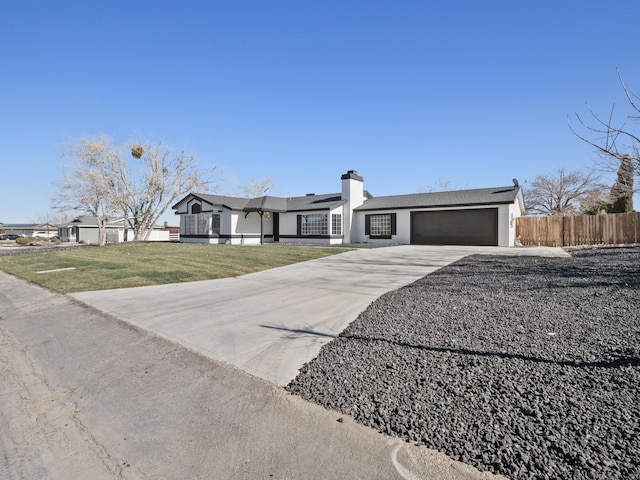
(28, 241)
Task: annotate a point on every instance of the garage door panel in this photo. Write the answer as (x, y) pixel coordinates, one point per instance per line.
(455, 227)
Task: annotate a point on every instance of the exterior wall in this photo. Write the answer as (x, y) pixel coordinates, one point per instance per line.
(311, 241)
(185, 207)
(88, 235)
(515, 211)
(506, 224)
(247, 230)
(200, 240)
(403, 227)
(288, 224)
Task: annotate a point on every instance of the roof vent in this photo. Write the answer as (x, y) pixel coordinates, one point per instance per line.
(310, 194)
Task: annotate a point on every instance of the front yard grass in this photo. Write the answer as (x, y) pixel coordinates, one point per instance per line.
(139, 264)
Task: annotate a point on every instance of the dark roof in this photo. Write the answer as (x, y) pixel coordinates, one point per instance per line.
(270, 204)
(311, 202)
(454, 198)
(28, 226)
(85, 220)
(19, 225)
(232, 203)
(314, 202)
(92, 221)
(266, 204)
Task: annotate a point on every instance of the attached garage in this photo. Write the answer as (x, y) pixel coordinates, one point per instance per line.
(455, 227)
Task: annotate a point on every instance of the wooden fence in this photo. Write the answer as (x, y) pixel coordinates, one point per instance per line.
(613, 228)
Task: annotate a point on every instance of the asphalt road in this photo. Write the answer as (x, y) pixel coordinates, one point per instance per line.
(85, 395)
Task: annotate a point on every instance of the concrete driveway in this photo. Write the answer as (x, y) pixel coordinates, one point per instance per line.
(271, 323)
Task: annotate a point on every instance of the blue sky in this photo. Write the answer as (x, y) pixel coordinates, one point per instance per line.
(408, 93)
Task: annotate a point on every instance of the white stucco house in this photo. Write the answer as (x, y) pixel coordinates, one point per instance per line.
(484, 216)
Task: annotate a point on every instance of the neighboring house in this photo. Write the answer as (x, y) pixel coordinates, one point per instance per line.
(483, 216)
(28, 229)
(85, 229)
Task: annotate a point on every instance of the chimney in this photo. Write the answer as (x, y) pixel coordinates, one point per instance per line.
(353, 193)
(352, 188)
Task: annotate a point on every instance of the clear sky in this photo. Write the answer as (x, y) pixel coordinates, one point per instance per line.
(408, 93)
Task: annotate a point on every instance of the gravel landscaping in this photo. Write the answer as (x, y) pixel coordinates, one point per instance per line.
(524, 366)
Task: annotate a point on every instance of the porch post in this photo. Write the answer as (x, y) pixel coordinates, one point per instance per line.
(261, 227)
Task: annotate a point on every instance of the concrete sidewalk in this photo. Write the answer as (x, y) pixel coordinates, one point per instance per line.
(271, 323)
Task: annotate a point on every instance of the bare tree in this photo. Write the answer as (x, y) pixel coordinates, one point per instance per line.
(441, 185)
(85, 187)
(53, 218)
(255, 188)
(159, 177)
(139, 182)
(562, 193)
(616, 142)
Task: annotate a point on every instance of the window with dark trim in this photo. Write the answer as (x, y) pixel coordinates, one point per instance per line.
(196, 208)
(336, 224)
(380, 225)
(215, 224)
(313, 224)
(201, 224)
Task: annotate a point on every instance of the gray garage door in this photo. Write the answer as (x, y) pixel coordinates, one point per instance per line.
(455, 227)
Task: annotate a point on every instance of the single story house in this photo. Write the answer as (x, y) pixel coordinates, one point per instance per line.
(85, 229)
(28, 229)
(484, 216)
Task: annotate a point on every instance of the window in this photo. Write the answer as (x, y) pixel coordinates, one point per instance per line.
(189, 224)
(196, 208)
(380, 226)
(201, 224)
(336, 224)
(314, 224)
(215, 224)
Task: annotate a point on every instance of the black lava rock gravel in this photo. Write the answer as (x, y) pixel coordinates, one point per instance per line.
(524, 366)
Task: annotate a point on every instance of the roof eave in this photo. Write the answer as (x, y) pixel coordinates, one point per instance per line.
(363, 208)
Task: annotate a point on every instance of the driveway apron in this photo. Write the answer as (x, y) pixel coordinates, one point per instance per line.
(271, 323)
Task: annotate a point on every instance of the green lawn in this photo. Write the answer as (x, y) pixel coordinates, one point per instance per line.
(134, 265)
